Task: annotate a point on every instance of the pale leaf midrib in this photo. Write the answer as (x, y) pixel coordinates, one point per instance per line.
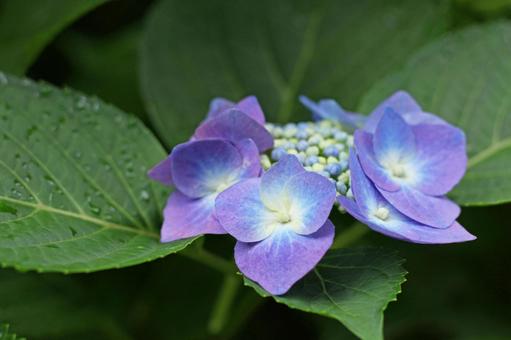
(488, 152)
(83, 217)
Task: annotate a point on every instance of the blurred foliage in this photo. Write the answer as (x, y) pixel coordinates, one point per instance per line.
(275, 50)
(203, 49)
(27, 26)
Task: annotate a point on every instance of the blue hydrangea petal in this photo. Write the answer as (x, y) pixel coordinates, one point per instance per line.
(441, 158)
(188, 217)
(281, 260)
(251, 164)
(162, 172)
(250, 106)
(330, 109)
(274, 181)
(379, 175)
(234, 125)
(437, 212)
(242, 214)
(401, 102)
(309, 198)
(393, 138)
(202, 167)
(416, 118)
(218, 106)
(361, 187)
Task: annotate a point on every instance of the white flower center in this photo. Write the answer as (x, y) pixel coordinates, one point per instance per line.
(397, 170)
(382, 213)
(283, 217)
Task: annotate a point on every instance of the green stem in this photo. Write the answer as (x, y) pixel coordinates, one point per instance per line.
(350, 235)
(223, 303)
(209, 259)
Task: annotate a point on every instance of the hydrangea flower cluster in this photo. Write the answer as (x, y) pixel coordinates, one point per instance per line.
(272, 187)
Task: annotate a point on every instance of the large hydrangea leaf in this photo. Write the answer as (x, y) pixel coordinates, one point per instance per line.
(466, 78)
(27, 26)
(277, 50)
(353, 286)
(74, 195)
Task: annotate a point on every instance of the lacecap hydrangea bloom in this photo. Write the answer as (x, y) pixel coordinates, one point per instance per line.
(272, 186)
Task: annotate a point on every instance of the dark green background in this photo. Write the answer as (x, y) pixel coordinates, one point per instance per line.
(453, 291)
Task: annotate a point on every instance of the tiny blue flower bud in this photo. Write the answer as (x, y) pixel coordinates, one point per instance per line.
(331, 150)
(314, 140)
(302, 134)
(302, 145)
(302, 125)
(341, 188)
(311, 160)
(334, 169)
(289, 145)
(277, 153)
(343, 165)
(340, 135)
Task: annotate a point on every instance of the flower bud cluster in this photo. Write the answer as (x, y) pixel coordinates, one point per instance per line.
(321, 147)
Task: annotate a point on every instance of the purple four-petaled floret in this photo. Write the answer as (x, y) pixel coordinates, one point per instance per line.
(200, 171)
(281, 223)
(371, 208)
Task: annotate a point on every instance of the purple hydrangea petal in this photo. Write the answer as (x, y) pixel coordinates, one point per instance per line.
(330, 109)
(401, 102)
(200, 167)
(361, 186)
(274, 181)
(309, 197)
(393, 138)
(162, 172)
(416, 118)
(352, 208)
(218, 106)
(251, 164)
(437, 212)
(234, 125)
(379, 175)
(441, 158)
(187, 217)
(242, 214)
(250, 106)
(279, 261)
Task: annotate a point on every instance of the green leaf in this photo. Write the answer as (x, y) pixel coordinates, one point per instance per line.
(353, 286)
(27, 26)
(465, 78)
(6, 335)
(193, 51)
(73, 183)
